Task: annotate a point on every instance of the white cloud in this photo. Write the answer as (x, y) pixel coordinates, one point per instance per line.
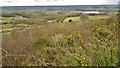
(52, 2)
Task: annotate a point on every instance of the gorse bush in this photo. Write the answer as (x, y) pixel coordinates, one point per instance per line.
(72, 37)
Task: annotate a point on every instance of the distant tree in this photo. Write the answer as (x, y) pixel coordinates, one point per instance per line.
(83, 17)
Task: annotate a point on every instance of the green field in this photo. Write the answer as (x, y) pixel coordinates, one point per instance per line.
(99, 17)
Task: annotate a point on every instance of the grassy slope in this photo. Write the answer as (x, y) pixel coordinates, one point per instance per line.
(73, 44)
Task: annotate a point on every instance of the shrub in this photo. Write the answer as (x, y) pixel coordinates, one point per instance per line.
(84, 17)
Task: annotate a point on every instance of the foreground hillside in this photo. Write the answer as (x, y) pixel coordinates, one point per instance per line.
(59, 39)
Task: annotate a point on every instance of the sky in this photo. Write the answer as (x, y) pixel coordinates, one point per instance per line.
(55, 2)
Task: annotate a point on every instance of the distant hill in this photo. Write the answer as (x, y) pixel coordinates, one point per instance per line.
(68, 7)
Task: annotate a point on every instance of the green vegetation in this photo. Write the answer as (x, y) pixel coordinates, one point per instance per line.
(59, 40)
(99, 17)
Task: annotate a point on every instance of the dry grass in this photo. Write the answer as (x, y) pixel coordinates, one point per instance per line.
(71, 44)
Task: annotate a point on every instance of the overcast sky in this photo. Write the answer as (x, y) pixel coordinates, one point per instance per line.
(55, 2)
